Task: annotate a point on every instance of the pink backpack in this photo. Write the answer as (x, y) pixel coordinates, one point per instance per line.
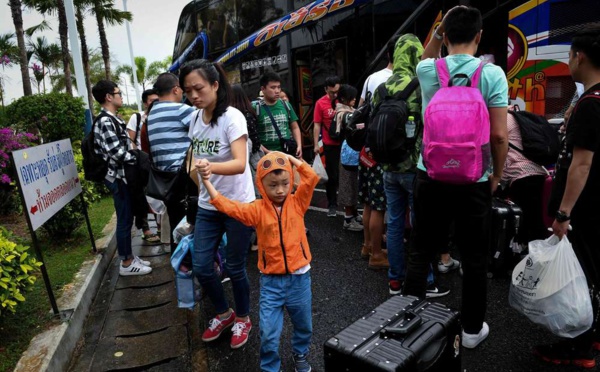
(456, 136)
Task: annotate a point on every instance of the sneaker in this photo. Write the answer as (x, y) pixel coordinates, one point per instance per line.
(564, 352)
(433, 290)
(470, 341)
(353, 226)
(185, 229)
(395, 287)
(332, 212)
(216, 326)
(240, 334)
(447, 267)
(596, 345)
(301, 363)
(135, 268)
(143, 262)
(358, 218)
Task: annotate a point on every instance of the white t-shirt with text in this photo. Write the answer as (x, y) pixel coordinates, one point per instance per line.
(214, 144)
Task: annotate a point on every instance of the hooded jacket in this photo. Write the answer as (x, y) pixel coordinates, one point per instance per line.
(407, 55)
(282, 243)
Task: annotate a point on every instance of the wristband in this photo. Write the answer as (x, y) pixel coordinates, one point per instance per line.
(436, 35)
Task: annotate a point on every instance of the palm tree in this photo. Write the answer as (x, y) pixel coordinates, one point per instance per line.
(145, 73)
(17, 16)
(106, 12)
(58, 7)
(42, 51)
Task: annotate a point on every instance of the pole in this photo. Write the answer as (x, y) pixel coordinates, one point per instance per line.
(87, 221)
(135, 80)
(36, 246)
(79, 75)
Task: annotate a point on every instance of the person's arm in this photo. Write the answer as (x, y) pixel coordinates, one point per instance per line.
(434, 47)
(577, 176)
(298, 137)
(237, 165)
(131, 135)
(316, 132)
(308, 181)
(246, 213)
(498, 142)
(212, 192)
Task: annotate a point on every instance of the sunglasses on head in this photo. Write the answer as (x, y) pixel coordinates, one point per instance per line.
(267, 163)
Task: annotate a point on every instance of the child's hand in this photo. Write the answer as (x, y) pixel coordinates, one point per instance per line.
(203, 167)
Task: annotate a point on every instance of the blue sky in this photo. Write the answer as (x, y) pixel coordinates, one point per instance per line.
(152, 31)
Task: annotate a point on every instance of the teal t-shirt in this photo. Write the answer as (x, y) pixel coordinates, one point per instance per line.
(493, 85)
(282, 116)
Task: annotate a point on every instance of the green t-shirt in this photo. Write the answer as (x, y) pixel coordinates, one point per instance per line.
(493, 85)
(283, 118)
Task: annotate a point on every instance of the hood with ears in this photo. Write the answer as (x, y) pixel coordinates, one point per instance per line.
(267, 164)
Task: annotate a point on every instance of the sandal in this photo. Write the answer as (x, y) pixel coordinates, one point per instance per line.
(151, 238)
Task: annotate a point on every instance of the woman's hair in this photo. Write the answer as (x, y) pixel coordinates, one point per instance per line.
(240, 100)
(210, 72)
(587, 41)
(345, 95)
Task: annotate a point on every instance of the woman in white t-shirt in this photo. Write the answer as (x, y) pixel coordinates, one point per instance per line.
(219, 144)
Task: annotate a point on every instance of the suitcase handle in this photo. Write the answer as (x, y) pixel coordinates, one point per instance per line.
(410, 322)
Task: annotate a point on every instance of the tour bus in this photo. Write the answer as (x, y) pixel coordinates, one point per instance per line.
(307, 42)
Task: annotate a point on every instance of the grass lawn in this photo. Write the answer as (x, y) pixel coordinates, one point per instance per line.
(63, 260)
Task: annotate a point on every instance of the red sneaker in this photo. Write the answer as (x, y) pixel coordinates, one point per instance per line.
(217, 326)
(596, 345)
(240, 334)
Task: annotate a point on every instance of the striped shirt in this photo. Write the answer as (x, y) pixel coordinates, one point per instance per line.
(168, 124)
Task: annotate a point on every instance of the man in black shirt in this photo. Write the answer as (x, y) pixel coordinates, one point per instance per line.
(576, 194)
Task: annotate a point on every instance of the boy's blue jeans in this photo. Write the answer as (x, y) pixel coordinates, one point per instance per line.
(210, 226)
(399, 196)
(294, 293)
(122, 202)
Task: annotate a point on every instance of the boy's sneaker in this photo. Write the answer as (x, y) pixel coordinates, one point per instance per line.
(332, 212)
(470, 341)
(395, 287)
(358, 218)
(240, 334)
(216, 326)
(434, 290)
(564, 352)
(301, 363)
(353, 225)
(143, 262)
(446, 267)
(135, 268)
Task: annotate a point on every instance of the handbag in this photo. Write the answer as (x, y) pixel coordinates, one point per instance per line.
(366, 159)
(288, 145)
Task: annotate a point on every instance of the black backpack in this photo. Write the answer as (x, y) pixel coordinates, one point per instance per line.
(539, 139)
(386, 134)
(356, 136)
(94, 165)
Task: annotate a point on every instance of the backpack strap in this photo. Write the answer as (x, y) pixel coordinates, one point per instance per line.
(442, 71)
(382, 91)
(408, 90)
(138, 116)
(593, 94)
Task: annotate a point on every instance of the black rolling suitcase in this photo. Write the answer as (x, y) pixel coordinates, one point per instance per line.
(506, 219)
(404, 333)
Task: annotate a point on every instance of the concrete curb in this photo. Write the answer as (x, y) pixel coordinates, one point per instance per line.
(52, 349)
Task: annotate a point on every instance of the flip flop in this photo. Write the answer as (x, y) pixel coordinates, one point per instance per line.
(151, 238)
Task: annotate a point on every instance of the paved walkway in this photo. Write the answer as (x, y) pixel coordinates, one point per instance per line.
(134, 323)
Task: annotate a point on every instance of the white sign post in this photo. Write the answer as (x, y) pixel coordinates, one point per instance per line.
(48, 180)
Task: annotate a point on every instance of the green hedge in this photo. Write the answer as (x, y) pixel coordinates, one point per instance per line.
(56, 115)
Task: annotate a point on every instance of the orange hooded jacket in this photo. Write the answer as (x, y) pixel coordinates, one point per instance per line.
(282, 243)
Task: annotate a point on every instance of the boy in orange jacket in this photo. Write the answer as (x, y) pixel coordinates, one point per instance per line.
(283, 253)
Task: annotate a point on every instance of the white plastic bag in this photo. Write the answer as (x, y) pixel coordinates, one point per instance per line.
(549, 287)
(320, 169)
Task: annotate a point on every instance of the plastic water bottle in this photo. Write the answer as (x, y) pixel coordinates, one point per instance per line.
(410, 127)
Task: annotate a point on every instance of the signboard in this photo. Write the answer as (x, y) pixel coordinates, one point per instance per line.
(48, 178)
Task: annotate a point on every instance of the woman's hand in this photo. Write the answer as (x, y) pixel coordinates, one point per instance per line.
(203, 167)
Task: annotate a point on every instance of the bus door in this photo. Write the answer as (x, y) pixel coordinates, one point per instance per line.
(311, 66)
